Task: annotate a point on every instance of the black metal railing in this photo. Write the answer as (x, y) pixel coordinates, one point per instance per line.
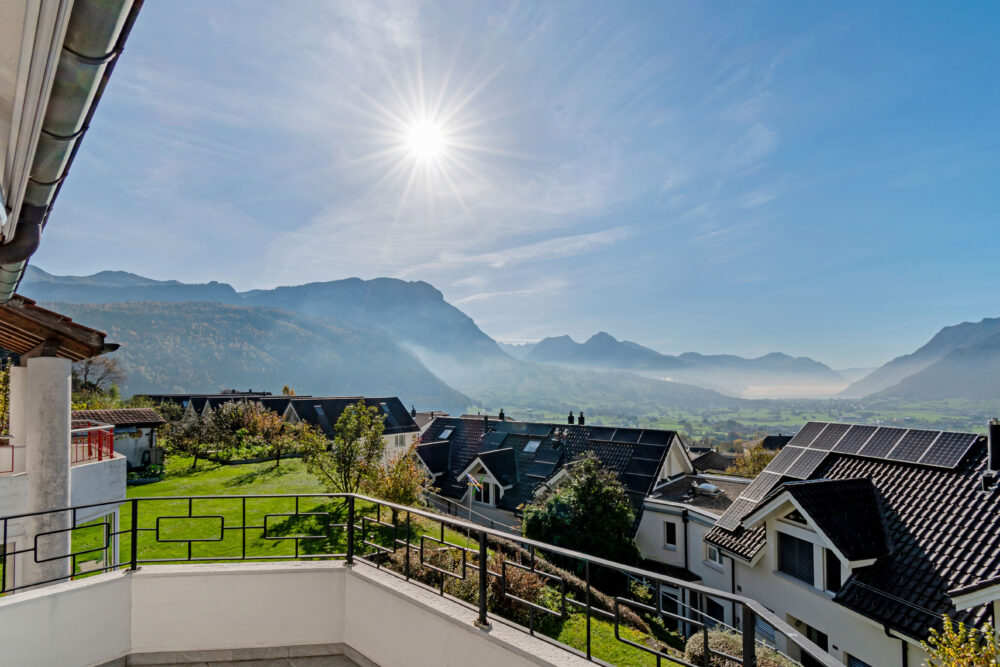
(503, 577)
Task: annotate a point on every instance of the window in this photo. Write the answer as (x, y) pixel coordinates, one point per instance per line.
(320, 411)
(713, 554)
(714, 611)
(832, 571)
(532, 446)
(854, 662)
(445, 434)
(818, 638)
(669, 534)
(795, 557)
(484, 495)
(400, 440)
(765, 631)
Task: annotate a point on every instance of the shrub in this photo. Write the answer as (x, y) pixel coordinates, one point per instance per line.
(731, 643)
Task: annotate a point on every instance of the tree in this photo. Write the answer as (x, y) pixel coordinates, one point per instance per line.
(356, 450)
(590, 512)
(958, 645)
(189, 437)
(287, 391)
(97, 374)
(752, 461)
(4, 396)
(399, 479)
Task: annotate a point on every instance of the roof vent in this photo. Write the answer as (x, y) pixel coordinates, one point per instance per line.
(707, 489)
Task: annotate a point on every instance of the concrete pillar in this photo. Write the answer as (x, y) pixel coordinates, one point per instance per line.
(18, 419)
(47, 410)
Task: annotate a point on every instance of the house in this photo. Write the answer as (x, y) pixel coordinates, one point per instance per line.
(48, 460)
(861, 536)
(513, 461)
(773, 443)
(401, 430)
(712, 461)
(134, 431)
(424, 419)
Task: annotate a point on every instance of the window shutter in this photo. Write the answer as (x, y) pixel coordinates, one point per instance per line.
(795, 557)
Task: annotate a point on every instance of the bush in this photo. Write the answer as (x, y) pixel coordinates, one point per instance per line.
(731, 643)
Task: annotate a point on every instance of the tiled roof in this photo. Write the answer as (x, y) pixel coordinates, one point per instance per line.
(434, 455)
(634, 455)
(121, 417)
(712, 461)
(943, 532)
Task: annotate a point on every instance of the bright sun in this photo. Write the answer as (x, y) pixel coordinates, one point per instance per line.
(425, 140)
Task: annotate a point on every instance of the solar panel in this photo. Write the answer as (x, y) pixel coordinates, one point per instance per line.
(761, 486)
(601, 433)
(806, 464)
(949, 449)
(540, 469)
(784, 459)
(913, 445)
(732, 517)
(654, 452)
(628, 435)
(655, 437)
(854, 439)
(548, 455)
(807, 434)
(882, 442)
(829, 437)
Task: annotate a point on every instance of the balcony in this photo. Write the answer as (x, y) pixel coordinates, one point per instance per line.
(333, 577)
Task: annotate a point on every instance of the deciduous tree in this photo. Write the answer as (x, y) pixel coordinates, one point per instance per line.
(958, 645)
(356, 450)
(590, 512)
(751, 462)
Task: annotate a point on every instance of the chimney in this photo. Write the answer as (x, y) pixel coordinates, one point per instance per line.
(580, 420)
(486, 423)
(502, 416)
(994, 445)
(413, 411)
(571, 419)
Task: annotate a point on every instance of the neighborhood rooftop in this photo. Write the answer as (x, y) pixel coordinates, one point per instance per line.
(910, 506)
(521, 456)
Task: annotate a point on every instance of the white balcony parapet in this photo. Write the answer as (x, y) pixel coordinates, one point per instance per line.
(380, 600)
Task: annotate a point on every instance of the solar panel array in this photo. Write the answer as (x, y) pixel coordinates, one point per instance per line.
(807, 451)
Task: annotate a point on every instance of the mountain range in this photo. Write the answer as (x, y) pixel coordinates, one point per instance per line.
(391, 323)
(726, 373)
(392, 336)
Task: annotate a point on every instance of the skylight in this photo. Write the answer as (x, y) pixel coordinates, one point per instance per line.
(532, 446)
(445, 434)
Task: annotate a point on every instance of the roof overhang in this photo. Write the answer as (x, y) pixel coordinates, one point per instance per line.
(976, 594)
(785, 502)
(33, 331)
(472, 464)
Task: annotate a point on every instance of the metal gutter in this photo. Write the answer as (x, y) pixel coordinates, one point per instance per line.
(95, 37)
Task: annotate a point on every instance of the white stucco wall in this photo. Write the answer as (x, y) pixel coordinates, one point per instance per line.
(256, 605)
(848, 631)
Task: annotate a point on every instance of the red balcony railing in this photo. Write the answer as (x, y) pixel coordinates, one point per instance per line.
(91, 441)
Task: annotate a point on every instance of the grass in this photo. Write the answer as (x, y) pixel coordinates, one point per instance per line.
(603, 643)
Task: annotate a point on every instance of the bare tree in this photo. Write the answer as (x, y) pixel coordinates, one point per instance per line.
(97, 374)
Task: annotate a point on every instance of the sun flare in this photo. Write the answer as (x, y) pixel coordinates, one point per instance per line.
(425, 140)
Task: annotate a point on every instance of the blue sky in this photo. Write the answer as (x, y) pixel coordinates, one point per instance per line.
(815, 178)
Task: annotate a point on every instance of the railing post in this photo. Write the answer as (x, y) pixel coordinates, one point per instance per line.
(483, 620)
(134, 536)
(586, 566)
(350, 530)
(749, 636)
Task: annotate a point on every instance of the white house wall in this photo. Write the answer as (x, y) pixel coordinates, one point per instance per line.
(848, 631)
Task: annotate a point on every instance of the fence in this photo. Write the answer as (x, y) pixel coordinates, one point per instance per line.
(91, 441)
(420, 546)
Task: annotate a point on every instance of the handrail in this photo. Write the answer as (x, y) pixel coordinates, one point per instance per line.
(751, 609)
(471, 511)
